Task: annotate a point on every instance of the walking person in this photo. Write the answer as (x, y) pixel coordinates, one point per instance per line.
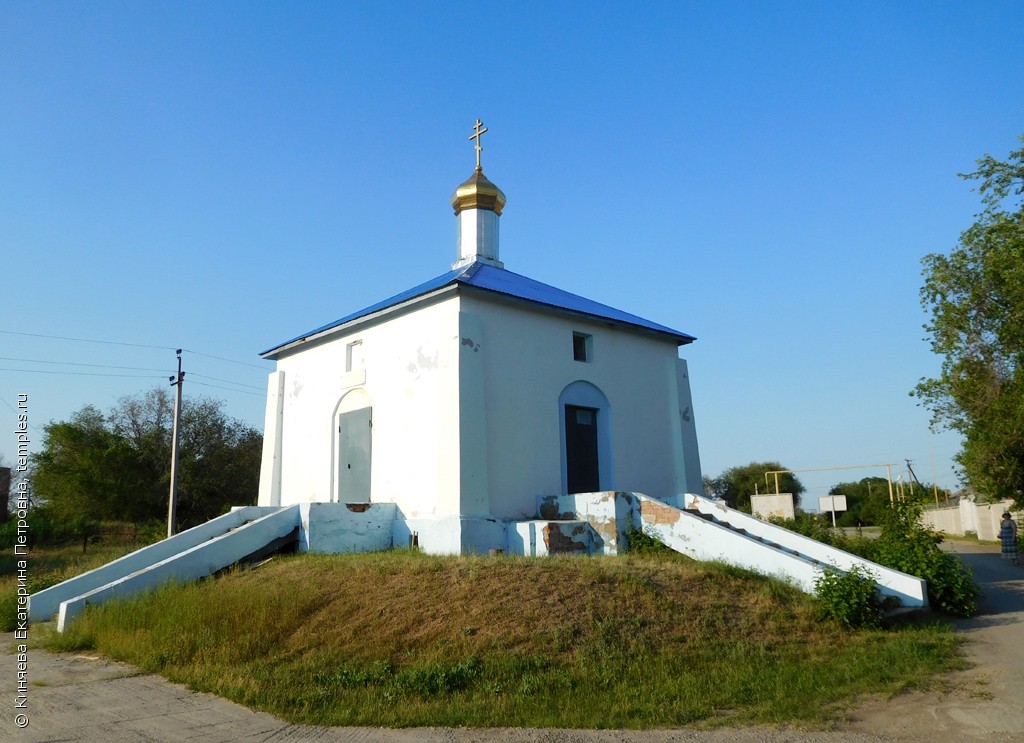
(1008, 537)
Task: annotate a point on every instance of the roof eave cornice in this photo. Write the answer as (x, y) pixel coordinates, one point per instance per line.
(317, 337)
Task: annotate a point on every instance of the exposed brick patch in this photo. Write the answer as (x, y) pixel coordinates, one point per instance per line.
(658, 513)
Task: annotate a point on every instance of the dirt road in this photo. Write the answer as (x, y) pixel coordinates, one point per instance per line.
(987, 700)
(87, 698)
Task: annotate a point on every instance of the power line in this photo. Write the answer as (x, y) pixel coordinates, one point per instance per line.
(221, 358)
(74, 363)
(229, 381)
(87, 340)
(18, 412)
(126, 368)
(108, 366)
(133, 345)
(229, 389)
(81, 374)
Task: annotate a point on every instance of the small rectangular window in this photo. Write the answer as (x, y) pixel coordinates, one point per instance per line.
(354, 356)
(582, 347)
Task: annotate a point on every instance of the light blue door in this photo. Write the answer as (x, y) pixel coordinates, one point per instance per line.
(354, 456)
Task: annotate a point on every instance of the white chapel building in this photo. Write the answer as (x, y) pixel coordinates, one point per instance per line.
(465, 399)
(481, 411)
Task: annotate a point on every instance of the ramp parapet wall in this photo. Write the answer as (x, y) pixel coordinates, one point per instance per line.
(740, 539)
(198, 562)
(706, 540)
(911, 590)
(44, 604)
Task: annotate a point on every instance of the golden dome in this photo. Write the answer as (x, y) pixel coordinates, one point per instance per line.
(478, 193)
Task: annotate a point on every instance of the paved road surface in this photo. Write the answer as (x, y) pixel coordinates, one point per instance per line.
(93, 700)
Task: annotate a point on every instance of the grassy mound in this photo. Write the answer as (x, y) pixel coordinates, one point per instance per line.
(402, 639)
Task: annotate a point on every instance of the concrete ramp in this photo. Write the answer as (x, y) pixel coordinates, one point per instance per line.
(192, 554)
(709, 530)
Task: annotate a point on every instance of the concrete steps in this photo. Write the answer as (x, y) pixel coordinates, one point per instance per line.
(540, 537)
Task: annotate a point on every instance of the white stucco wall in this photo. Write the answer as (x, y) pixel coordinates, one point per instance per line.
(984, 519)
(528, 360)
(410, 381)
(466, 421)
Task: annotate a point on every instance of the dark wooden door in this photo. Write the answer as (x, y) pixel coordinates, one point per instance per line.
(581, 462)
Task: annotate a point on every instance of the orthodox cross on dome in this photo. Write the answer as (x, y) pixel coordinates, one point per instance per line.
(478, 130)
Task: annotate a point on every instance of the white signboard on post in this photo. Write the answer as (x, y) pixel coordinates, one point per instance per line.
(832, 503)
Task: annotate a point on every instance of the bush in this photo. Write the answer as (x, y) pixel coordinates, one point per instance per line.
(814, 525)
(43, 528)
(639, 542)
(851, 598)
(908, 546)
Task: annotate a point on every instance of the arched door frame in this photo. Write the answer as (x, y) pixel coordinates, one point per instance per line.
(588, 395)
(352, 400)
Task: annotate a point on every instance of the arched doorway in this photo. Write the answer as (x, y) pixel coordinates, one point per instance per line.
(353, 428)
(585, 423)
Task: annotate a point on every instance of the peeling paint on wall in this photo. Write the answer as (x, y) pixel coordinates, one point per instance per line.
(426, 357)
(346, 527)
(566, 537)
(549, 509)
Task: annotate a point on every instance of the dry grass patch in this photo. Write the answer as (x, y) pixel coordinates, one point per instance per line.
(400, 639)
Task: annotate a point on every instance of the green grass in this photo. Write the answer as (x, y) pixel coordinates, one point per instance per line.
(402, 639)
(48, 566)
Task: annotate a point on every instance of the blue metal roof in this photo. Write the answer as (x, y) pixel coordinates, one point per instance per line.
(499, 281)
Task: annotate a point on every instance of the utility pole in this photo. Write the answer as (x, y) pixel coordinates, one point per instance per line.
(914, 475)
(172, 503)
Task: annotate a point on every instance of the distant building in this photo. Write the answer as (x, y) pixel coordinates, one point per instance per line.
(464, 399)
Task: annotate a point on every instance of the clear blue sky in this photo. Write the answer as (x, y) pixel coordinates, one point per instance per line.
(763, 175)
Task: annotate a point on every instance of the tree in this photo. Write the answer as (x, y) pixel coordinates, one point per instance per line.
(117, 466)
(975, 297)
(868, 499)
(737, 484)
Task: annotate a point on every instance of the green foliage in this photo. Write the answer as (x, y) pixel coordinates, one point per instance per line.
(975, 297)
(117, 466)
(427, 680)
(737, 484)
(851, 598)
(816, 526)
(43, 528)
(865, 501)
(908, 546)
(904, 545)
(639, 542)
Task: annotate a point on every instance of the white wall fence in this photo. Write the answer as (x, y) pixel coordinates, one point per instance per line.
(979, 518)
